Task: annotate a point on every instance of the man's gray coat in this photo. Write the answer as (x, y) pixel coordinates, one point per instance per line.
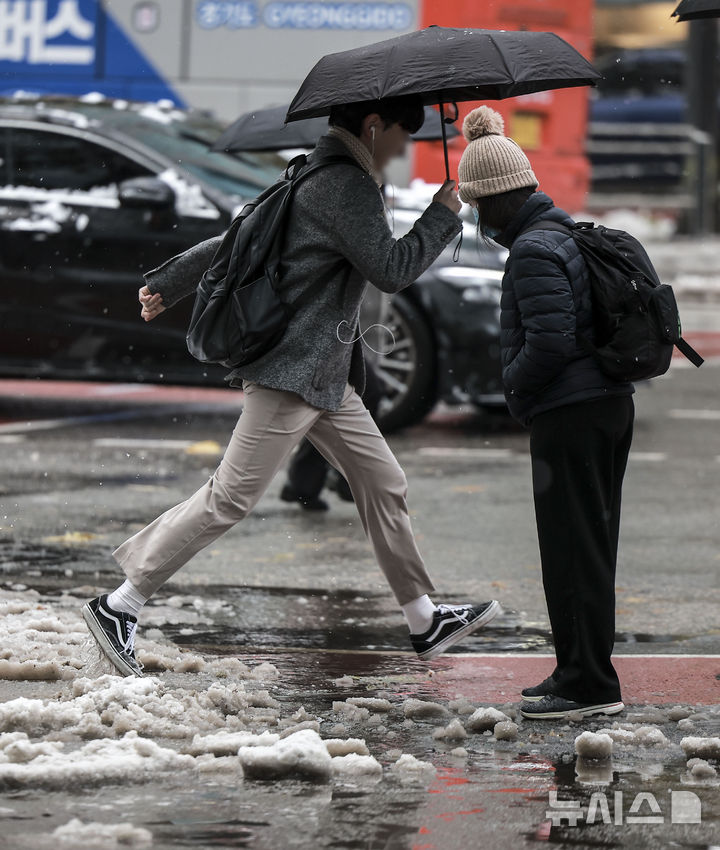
(337, 213)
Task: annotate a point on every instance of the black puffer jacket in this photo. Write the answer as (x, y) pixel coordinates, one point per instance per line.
(545, 305)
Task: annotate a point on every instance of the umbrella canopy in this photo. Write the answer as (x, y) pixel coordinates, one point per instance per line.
(443, 65)
(266, 130)
(690, 10)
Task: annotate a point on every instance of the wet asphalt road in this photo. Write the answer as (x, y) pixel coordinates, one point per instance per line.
(83, 473)
(85, 468)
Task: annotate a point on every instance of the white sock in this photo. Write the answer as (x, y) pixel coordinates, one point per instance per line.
(419, 613)
(127, 598)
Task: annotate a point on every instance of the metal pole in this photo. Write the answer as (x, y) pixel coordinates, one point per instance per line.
(702, 105)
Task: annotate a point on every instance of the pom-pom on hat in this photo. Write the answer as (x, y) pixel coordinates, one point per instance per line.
(491, 163)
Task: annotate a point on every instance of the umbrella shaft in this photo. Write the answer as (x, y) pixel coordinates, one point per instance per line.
(444, 140)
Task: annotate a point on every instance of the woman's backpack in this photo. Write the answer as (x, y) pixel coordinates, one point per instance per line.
(635, 316)
(239, 314)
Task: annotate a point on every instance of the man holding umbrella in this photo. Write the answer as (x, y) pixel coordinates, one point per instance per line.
(309, 384)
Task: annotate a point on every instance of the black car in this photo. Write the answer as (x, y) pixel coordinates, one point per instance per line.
(94, 192)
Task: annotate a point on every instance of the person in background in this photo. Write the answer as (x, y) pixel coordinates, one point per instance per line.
(309, 384)
(580, 420)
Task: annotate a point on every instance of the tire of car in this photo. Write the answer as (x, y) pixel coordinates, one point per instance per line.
(408, 368)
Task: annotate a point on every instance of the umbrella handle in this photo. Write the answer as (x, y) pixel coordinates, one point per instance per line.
(444, 140)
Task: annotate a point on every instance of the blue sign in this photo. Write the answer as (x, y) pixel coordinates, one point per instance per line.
(73, 47)
(42, 33)
(289, 14)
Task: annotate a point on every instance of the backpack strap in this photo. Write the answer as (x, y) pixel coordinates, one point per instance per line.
(692, 355)
(300, 170)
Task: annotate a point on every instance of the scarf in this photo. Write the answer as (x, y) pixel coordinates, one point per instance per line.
(358, 150)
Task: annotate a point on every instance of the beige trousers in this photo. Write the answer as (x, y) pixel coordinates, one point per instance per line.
(272, 423)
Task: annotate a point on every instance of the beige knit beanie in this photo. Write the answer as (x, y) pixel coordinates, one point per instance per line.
(491, 163)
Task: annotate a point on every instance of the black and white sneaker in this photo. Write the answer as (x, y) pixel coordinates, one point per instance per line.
(553, 707)
(115, 633)
(537, 692)
(450, 624)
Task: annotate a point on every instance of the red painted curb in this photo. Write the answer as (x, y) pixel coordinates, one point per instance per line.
(651, 679)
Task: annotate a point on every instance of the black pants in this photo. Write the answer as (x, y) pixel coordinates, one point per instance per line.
(308, 469)
(579, 455)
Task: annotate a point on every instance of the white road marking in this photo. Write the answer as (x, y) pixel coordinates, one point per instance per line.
(650, 457)
(139, 443)
(466, 452)
(707, 415)
(551, 655)
(41, 425)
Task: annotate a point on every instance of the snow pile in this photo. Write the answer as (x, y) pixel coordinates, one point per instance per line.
(461, 706)
(485, 719)
(454, 731)
(410, 770)
(102, 836)
(643, 226)
(505, 730)
(418, 708)
(92, 97)
(354, 766)
(371, 703)
(131, 759)
(343, 682)
(111, 706)
(704, 748)
(643, 736)
(303, 754)
(163, 111)
(228, 743)
(590, 745)
(352, 713)
(346, 746)
(39, 642)
(189, 198)
(701, 770)
(678, 712)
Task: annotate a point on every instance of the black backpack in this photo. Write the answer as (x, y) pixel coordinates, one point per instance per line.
(635, 317)
(238, 313)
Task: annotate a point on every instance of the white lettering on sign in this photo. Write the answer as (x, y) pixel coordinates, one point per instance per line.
(289, 14)
(25, 32)
(341, 16)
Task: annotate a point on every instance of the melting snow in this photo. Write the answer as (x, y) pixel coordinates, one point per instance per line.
(701, 769)
(454, 731)
(409, 769)
(704, 748)
(189, 198)
(590, 745)
(371, 703)
(102, 836)
(506, 730)
(302, 754)
(414, 708)
(485, 719)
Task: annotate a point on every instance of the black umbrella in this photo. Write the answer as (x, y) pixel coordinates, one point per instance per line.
(443, 65)
(266, 130)
(691, 10)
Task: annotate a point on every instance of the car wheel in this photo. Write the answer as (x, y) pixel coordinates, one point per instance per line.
(407, 371)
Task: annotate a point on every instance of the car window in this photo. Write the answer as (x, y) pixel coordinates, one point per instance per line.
(46, 160)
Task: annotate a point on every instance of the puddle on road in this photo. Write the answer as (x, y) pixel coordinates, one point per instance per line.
(500, 794)
(497, 800)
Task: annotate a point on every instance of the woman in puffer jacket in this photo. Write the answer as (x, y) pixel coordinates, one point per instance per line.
(580, 419)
